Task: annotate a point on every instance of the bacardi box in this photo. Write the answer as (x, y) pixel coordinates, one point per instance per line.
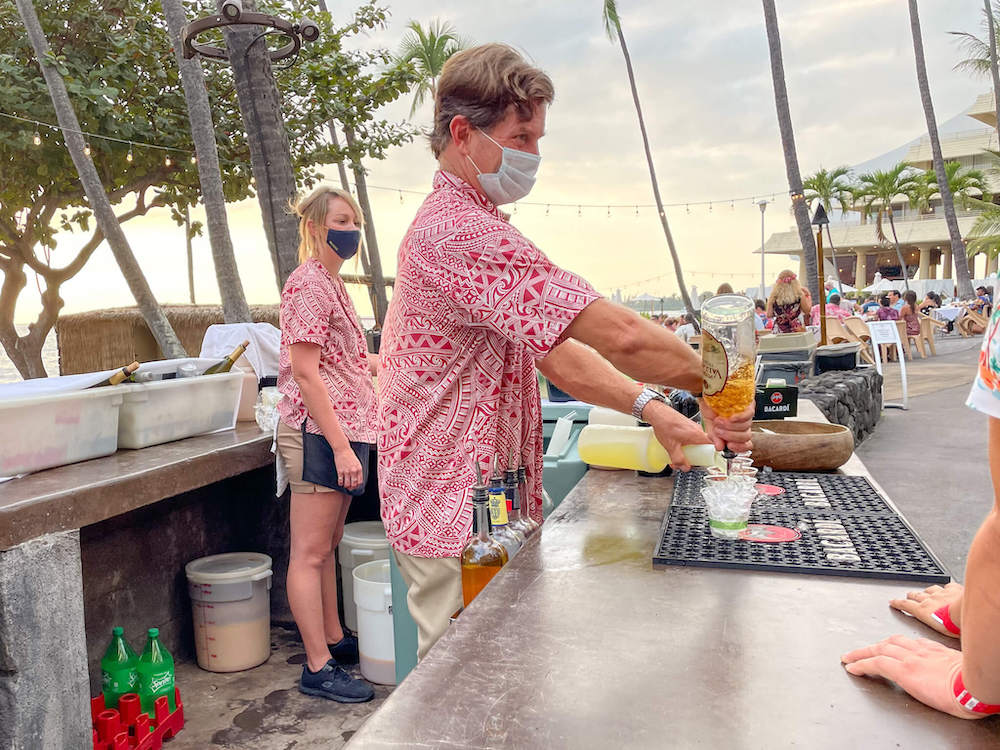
(777, 401)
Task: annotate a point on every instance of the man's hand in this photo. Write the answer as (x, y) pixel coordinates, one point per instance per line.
(925, 669)
(674, 431)
(922, 604)
(733, 432)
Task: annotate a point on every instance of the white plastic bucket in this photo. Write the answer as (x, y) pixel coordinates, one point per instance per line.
(373, 596)
(231, 608)
(362, 542)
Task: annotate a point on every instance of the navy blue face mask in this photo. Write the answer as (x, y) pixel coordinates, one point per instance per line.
(344, 242)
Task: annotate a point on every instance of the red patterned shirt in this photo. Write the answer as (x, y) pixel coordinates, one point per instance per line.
(474, 306)
(316, 308)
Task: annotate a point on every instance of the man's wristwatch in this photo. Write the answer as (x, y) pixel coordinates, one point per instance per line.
(647, 395)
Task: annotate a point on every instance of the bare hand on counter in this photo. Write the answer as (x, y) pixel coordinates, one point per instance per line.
(922, 604)
(923, 668)
(732, 432)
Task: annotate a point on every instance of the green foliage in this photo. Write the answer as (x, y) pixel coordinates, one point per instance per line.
(875, 191)
(977, 49)
(119, 68)
(428, 50)
(830, 188)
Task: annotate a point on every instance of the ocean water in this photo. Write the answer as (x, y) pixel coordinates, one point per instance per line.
(50, 357)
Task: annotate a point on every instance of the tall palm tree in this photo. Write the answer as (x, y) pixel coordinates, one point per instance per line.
(613, 27)
(227, 275)
(994, 70)
(962, 275)
(982, 53)
(875, 192)
(788, 145)
(830, 188)
(97, 197)
(428, 49)
(984, 237)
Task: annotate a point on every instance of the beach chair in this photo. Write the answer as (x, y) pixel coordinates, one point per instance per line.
(972, 318)
(926, 338)
(836, 333)
(908, 339)
(859, 329)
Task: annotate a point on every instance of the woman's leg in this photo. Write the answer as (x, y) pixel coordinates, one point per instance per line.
(314, 518)
(331, 616)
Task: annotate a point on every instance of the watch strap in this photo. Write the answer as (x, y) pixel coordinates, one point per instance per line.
(644, 397)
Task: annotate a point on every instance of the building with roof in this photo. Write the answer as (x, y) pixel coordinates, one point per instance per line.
(923, 237)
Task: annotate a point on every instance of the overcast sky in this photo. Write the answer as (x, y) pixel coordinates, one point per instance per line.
(704, 79)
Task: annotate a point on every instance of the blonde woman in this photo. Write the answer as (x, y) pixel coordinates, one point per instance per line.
(326, 433)
(788, 304)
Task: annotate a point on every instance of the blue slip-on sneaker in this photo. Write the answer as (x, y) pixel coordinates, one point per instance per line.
(334, 683)
(345, 652)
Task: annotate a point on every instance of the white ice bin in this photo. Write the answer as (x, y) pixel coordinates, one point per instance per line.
(164, 410)
(40, 432)
(373, 596)
(363, 542)
(231, 609)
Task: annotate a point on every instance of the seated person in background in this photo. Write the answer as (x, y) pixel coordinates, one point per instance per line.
(931, 301)
(885, 311)
(831, 288)
(849, 305)
(686, 331)
(788, 303)
(895, 299)
(983, 301)
(870, 305)
(908, 313)
(724, 289)
(760, 315)
(671, 324)
(833, 310)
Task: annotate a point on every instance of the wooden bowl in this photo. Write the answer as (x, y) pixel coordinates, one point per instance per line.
(801, 446)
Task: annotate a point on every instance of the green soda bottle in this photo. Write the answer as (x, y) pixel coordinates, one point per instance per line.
(156, 673)
(118, 669)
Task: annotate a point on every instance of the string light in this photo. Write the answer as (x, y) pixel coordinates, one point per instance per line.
(166, 161)
(609, 212)
(128, 156)
(86, 149)
(194, 159)
(401, 197)
(37, 140)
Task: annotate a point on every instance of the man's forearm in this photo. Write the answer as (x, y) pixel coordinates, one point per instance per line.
(587, 376)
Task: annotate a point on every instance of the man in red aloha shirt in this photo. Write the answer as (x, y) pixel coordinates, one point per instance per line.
(476, 309)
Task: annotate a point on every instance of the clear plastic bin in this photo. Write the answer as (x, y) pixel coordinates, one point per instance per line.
(166, 410)
(63, 428)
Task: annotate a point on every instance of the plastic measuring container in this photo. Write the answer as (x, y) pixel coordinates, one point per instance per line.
(231, 608)
(376, 644)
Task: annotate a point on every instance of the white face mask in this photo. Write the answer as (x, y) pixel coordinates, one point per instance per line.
(515, 177)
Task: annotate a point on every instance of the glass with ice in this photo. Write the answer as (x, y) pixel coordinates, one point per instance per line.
(729, 500)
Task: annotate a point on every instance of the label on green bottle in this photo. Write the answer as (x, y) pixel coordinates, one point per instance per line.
(157, 683)
(498, 509)
(122, 680)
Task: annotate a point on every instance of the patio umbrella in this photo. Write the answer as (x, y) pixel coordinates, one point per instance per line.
(882, 285)
(847, 288)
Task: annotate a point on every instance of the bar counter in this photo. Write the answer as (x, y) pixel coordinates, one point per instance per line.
(580, 642)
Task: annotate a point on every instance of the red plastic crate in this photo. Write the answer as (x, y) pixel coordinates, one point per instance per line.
(128, 728)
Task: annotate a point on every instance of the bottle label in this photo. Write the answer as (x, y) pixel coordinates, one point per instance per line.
(119, 680)
(714, 364)
(157, 682)
(498, 509)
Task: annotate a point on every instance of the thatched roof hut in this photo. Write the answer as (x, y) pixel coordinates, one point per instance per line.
(104, 339)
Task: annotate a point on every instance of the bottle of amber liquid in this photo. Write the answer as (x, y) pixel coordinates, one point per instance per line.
(482, 556)
(519, 521)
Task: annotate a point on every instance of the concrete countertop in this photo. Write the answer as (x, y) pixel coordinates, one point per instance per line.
(69, 497)
(581, 642)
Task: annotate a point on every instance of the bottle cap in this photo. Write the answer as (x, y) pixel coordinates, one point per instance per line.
(154, 632)
(117, 630)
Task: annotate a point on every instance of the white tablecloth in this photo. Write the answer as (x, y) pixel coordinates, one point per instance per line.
(947, 314)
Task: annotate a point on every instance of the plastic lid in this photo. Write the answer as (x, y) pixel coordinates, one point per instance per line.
(117, 630)
(154, 632)
(365, 534)
(227, 568)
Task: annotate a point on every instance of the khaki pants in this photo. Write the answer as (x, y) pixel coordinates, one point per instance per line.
(434, 594)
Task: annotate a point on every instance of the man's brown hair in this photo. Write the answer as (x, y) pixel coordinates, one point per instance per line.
(481, 83)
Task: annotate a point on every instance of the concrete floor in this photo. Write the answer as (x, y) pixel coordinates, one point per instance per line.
(931, 459)
(262, 708)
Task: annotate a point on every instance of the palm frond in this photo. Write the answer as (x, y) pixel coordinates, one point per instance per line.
(612, 23)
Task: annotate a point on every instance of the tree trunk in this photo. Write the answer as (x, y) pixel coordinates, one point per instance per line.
(678, 271)
(158, 324)
(25, 352)
(190, 255)
(962, 276)
(899, 252)
(234, 303)
(788, 145)
(993, 61)
(381, 304)
(270, 154)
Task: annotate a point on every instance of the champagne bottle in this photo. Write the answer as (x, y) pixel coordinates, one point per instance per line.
(119, 376)
(483, 556)
(227, 364)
